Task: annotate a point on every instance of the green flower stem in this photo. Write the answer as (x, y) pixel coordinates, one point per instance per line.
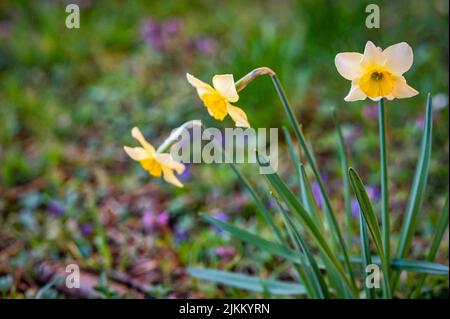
(384, 183)
(330, 215)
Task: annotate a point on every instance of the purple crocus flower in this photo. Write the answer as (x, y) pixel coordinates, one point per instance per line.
(55, 208)
(371, 111)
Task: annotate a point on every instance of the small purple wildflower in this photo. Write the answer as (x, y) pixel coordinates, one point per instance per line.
(171, 26)
(355, 208)
(162, 219)
(420, 121)
(225, 252)
(86, 229)
(371, 111)
(186, 174)
(148, 220)
(205, 45)
(181, 235)
(151, 34)
(317, 194)
(223, 218)
(374, 195)
(55, 208)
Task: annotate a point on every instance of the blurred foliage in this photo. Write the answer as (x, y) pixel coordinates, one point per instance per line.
(68, 99)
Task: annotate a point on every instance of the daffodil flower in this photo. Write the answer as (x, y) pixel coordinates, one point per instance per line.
(154, 162)
(218, 99)
(377, 73)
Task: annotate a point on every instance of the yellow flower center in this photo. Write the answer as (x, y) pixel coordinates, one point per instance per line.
(152, 166)
(376, 83)
(216, 105)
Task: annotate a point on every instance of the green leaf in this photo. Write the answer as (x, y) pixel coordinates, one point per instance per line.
(290, 255)
(365, 254)
(256, 240)
(417, 189)
(248, 282)
(329, 214)
(371, 220)
(285, 194)
(346, 183)
(313, 274)
(259, 204)
(295, 158)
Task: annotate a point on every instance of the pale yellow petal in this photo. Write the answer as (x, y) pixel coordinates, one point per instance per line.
(399, 58)
(224, 83)
(238, 115)
(355, 93)
(402, 89)
(166, 160)
(169, 177)
(348, 65)
(136, 133)
(136, 153)
(372, 56)
(202, 87)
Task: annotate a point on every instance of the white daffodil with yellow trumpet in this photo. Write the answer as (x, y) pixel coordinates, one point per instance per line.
(377, 73)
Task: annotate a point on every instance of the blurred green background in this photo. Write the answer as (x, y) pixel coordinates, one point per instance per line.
(69, 97)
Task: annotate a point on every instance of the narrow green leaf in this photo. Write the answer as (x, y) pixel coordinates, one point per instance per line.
(329, 214)
(312, 271)
(309, 200)
(371, 220)
(295, 158)
(365, 254)
(345, 181)
(418, 187)
(248, 282)
(295, 206)
(259, 204)
(256, 240)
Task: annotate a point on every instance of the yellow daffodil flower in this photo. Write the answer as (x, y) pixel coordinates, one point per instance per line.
(154, 162)
(217, 99)
(377, 73)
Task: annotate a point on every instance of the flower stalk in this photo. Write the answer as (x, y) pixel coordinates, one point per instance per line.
(384, 182)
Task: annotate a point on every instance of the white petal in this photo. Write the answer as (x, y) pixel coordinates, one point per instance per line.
(224, 83)
(355, 93)
(372, 55)
(348, 64)
(167, 160)
(402, 89)
(169, 177)
(201, 86)
(238, 115)
(399, 58)
(136, 133)
(136, 153)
